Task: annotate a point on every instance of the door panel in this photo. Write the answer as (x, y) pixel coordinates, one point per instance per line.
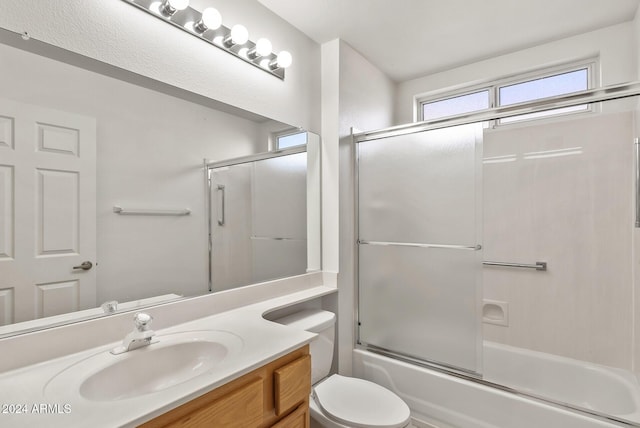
(6, 132)
(57, 212)
(56, 298)
(6, 211)
(57, 139)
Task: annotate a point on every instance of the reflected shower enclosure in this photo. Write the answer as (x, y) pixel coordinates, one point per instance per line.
(262, 217)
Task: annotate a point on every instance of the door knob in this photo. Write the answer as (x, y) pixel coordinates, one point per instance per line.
(84, 266)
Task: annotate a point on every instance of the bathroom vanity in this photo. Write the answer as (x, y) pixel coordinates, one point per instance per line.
(216, 361)
(275, 395)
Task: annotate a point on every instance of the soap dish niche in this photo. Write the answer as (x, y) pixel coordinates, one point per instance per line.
(495, 312)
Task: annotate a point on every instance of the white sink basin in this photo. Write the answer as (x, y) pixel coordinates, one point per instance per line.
(175, 359)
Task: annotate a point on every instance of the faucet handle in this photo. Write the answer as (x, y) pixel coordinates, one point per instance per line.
(142, 321)
(110, 307)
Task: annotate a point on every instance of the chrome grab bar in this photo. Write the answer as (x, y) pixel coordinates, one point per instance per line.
(538, 266)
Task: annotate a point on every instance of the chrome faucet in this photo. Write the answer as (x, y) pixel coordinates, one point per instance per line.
(110, 307)
(141, 335)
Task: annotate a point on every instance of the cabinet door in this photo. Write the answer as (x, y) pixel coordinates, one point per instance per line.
(292, 384)
(297, 419)
(241, 408)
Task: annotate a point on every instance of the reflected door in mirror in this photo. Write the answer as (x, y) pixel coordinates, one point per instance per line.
(50, 154)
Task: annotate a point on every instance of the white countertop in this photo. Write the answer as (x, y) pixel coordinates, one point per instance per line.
(24, 402)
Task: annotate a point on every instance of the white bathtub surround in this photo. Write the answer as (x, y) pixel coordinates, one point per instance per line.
(541, 207)
(435, 397)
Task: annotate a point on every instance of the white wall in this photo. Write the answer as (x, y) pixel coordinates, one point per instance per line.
(149, 155)
(330, 102)
(355, 94)
(614, 45)
(117, 33)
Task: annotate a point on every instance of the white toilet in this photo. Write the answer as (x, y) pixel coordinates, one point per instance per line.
(339, 401)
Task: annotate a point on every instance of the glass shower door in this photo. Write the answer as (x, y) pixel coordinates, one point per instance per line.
(419, 256)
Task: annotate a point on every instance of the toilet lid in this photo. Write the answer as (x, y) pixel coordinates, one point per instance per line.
(360, 403)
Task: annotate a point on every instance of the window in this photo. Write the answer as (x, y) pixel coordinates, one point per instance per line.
(466, 103)
(549, 86)
(538, 85)
(290, 139)
(543, 87)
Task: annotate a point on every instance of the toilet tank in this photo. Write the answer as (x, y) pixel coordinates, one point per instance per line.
(321, 348)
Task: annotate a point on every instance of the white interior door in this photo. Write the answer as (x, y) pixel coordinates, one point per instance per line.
(47, 212)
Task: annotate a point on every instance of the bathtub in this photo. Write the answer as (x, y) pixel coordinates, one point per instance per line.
(448, 401)
(591, 386)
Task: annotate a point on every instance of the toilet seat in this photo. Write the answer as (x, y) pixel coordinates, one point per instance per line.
(359, 403)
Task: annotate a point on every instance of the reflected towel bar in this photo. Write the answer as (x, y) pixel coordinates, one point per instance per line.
(537, 266)
(128, 211)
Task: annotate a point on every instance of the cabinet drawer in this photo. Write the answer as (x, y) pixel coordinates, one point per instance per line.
(241, 408)
(292, 384)
(297, 419)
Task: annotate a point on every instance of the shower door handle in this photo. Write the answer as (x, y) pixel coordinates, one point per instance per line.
(221, 210)
(636, 143)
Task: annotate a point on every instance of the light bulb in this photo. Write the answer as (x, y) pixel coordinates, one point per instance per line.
(284, 59)
(169, 7)
(265, 63)
(239, 34)
(263, 47)
(178, 4)
(211, 18)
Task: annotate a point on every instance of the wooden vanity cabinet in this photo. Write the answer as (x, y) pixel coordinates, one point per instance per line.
(275, 395)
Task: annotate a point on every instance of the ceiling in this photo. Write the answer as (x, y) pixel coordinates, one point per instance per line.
(410, 38)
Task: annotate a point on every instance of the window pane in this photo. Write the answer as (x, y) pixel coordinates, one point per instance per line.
(456, 105)
(291, 140)
(558, 84)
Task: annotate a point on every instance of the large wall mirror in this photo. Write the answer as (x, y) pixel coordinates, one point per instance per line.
(106, 194)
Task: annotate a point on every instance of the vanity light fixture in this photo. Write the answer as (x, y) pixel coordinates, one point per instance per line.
(207, 26)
